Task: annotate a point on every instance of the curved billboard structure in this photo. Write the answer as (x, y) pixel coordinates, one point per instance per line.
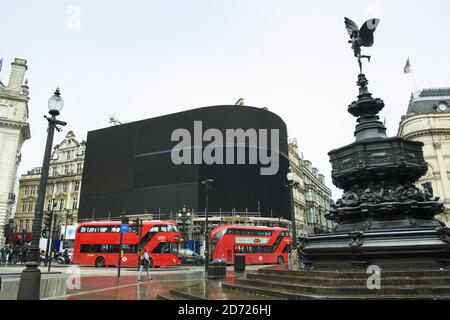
(156, 165)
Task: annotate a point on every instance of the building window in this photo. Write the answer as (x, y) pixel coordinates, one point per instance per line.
(49, 205)
(66, 169)
(309, 195)
(24, 207)
(69, 155)
(79, 167)
(30, 206)
(54, 171)
(61, 204)
(64, 186)
(75, 204)
(77, 185)
(3, 111)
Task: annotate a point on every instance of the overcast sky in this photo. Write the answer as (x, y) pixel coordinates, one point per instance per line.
(140, 59)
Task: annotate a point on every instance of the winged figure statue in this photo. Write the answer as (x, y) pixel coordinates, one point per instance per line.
(361, 37)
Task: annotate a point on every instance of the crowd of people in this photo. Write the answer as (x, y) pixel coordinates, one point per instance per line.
(14, 254)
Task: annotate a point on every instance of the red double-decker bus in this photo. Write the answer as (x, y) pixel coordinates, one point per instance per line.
(97, 243)
(259, 244)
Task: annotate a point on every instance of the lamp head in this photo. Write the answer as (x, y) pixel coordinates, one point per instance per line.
(55, 103)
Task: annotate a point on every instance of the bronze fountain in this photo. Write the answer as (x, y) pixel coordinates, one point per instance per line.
(382, 217)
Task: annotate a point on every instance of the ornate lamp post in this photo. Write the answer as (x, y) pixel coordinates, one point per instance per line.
(293, 183)
(30, 280)
(208, 188)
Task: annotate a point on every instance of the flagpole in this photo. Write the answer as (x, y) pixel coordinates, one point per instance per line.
(414, 77)
(413, 74)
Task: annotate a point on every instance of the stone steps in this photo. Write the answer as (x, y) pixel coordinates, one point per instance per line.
(271, 292)
(351, 274)
(314, 289)
(216, 293)
(324, 281)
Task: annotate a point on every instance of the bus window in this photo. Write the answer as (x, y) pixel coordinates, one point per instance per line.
(166, 247)
(163, 228)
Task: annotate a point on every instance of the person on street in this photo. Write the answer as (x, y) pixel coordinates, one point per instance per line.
(16, 254)
(10, 255)
(24, 251)
(4, 254)
(144, 263)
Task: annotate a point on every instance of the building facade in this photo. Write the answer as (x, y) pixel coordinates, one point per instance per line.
(312, 197)
(14, 131)
(428, 120)
(63, 187)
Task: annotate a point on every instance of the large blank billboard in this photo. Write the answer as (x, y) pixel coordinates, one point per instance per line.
(130, 167)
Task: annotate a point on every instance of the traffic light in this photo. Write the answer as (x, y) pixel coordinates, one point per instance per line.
(56, 230)
(136, 225)
(47, 224)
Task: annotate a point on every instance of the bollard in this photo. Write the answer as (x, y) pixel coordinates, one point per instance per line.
(217, 269)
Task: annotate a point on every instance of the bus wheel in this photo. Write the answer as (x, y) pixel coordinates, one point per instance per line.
(100, 262)
(280, 260)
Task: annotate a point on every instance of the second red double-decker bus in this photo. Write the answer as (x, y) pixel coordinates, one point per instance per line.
(97, 243)
(259, 244)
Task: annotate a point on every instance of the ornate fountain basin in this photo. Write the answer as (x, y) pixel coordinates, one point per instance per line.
(370, 160)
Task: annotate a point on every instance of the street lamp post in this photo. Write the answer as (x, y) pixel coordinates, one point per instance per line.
(208, 188)
(30, 280)
(292, 183)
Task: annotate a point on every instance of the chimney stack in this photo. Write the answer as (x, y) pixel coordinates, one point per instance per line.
(18, 68)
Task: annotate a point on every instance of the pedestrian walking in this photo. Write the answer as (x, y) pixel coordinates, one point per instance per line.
(144, 264)
(16, 255)
(10, 256)
(23, 256)
(4, 254)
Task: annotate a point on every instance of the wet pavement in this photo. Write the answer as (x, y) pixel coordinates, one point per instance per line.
(127, 288)
(103, 284)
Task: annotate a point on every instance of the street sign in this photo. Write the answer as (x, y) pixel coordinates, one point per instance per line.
(124, 228)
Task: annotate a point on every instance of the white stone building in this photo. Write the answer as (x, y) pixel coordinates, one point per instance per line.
(63, 186)
(312, 197)
(428, 120)
(14, 130)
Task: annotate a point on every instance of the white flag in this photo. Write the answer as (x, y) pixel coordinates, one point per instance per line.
(407, 68)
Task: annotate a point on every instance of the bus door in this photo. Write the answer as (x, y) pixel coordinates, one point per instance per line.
(230, 255)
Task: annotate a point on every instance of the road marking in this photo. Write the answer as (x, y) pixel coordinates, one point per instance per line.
(117, 287)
